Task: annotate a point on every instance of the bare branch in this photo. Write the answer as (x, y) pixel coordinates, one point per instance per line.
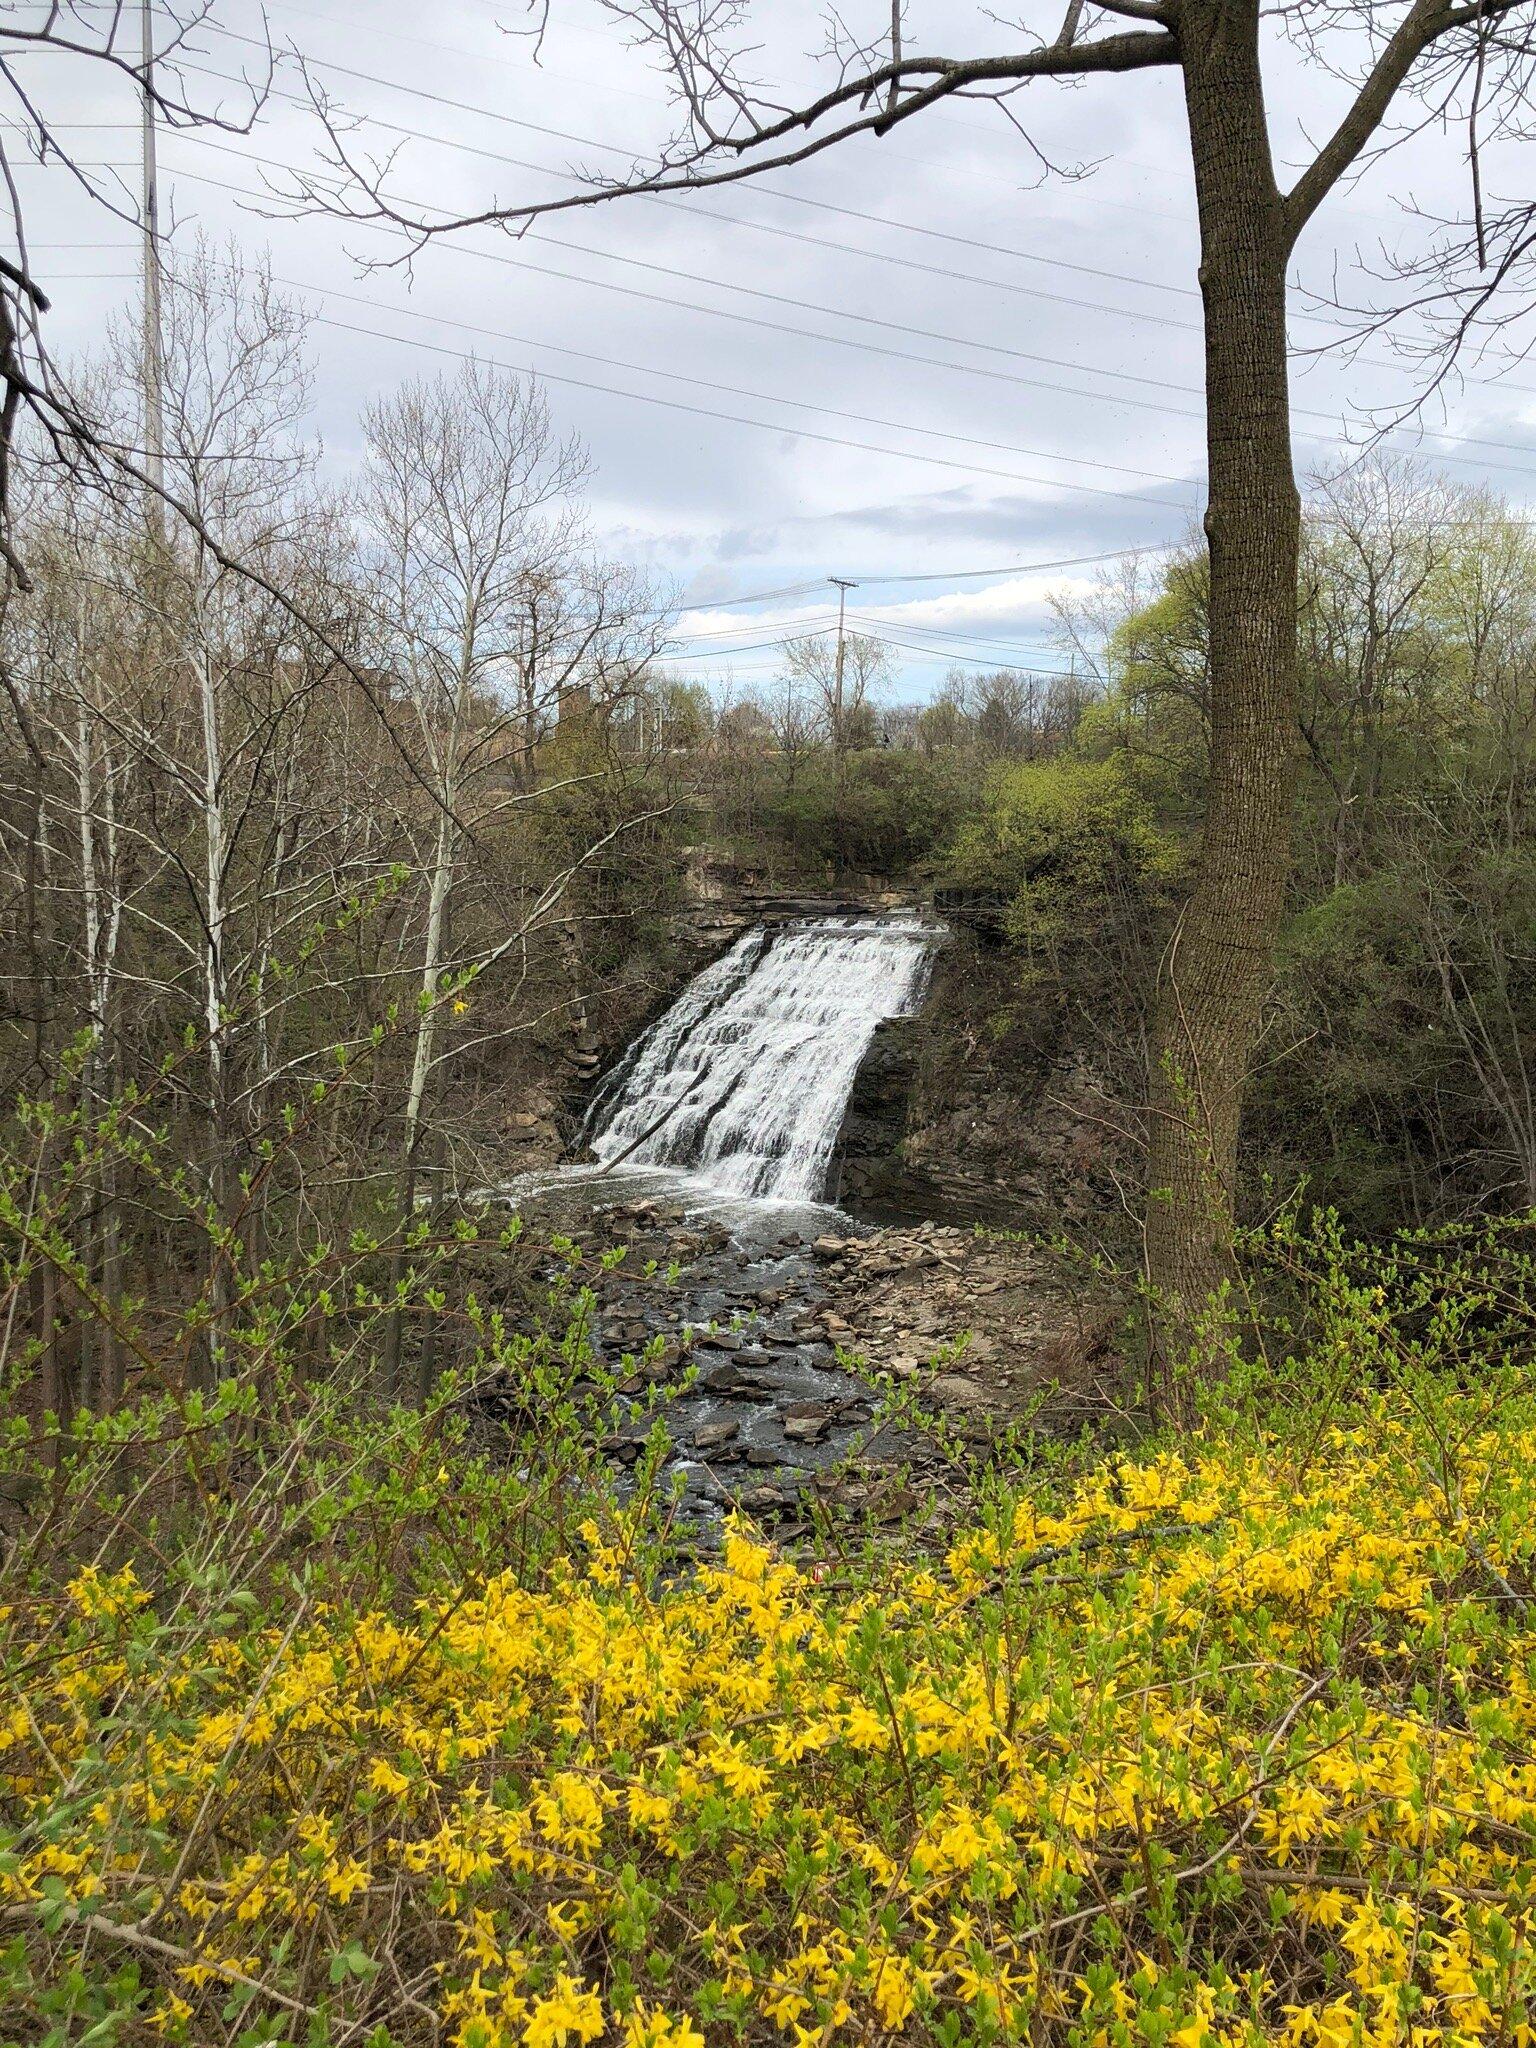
(1425, 23)
(882, 97)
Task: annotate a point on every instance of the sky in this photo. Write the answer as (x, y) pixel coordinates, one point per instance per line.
(917, 362)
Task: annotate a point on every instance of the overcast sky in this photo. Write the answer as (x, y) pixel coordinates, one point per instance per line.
(906, 362)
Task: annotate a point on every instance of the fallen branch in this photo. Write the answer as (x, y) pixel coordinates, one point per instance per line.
(134, 1936)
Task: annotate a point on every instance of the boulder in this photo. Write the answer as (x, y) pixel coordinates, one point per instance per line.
(709, 1436)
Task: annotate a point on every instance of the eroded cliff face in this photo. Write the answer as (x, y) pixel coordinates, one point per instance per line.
(982, 1108)
(595, 1011)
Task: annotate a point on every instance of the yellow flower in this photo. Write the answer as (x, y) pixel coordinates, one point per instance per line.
(648, 2027)
(892, 1996)
(570, 2009)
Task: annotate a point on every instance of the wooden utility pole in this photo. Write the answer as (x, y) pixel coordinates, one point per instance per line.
(844, 585)
(152, 365)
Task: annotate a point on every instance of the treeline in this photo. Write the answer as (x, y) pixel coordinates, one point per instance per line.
(311, 801)
(1397, 1075)
(865, 784)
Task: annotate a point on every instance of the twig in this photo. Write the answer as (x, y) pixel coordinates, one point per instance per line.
(134, 1936)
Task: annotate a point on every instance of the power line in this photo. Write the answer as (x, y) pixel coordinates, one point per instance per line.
(940, 644)
(840, 340)
(948, 575)
(653, 398)
(727, 653)
(758, 596)
(870, 624)
(771, 427)
(1024, 568)
(801, 333)
(795, 628)
(737, 390)
(1002, 653)
(932, 657)
(551, 241)
(773, 191)
(738, 419)
(837, 340)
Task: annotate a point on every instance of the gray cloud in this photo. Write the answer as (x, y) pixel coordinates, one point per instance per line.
(770, 308)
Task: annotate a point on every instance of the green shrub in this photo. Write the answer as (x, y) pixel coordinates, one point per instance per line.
(1073, 851)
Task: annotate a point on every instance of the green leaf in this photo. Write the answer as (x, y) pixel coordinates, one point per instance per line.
(352, 1961)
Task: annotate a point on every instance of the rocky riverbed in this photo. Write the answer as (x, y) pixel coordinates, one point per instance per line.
(803, 1362)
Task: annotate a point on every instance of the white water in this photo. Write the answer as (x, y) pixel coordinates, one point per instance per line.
(742, 1084)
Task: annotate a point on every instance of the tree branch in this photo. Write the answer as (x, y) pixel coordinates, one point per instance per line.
(1134, 50)
(1425, 22)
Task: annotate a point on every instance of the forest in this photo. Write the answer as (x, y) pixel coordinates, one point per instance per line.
(703, 1352)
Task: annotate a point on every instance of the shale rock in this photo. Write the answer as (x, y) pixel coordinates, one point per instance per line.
(710, 1436)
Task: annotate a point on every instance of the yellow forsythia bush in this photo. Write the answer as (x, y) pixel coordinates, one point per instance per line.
(1227, 1746)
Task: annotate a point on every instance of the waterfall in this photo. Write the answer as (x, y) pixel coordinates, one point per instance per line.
(742, 1083)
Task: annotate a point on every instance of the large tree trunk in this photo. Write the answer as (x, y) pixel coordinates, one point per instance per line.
(1217, 965)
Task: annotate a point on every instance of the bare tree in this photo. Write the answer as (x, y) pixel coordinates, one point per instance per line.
(88, 41)
(234, 390)
(588, 631)
(844, 683)
(794, 711)
(1484, 602)
(490, 615)
(1375, 539)
(68, 662)
(1009, 712)
(1218, 963)
(173, 707)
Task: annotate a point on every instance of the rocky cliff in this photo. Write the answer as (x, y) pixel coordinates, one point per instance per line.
(980, 1108)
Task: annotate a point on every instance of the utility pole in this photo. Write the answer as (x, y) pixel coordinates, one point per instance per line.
(844, 585)
(152, 365)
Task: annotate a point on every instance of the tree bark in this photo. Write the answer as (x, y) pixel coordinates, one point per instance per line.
(214, 965)
(421, 1068)
(1215, 971)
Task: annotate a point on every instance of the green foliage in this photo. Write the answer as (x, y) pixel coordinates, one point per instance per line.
(1069, 846)
(886, 814)
(1154, 712)
(1410, 999)
(1400, 1065)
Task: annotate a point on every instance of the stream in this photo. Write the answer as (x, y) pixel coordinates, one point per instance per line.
(712, 1140)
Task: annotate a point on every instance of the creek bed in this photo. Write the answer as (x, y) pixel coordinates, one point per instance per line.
(770, 1415)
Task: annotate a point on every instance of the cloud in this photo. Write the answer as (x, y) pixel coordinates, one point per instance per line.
(921, 282)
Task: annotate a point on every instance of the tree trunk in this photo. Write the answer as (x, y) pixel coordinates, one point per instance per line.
(220, 1135)
(1217, 965)
(421, 1068)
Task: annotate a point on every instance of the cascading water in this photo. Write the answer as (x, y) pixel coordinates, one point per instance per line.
(729, 1109)
(742, 1084)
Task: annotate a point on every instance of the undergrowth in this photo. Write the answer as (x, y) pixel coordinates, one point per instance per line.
(369, 1737)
